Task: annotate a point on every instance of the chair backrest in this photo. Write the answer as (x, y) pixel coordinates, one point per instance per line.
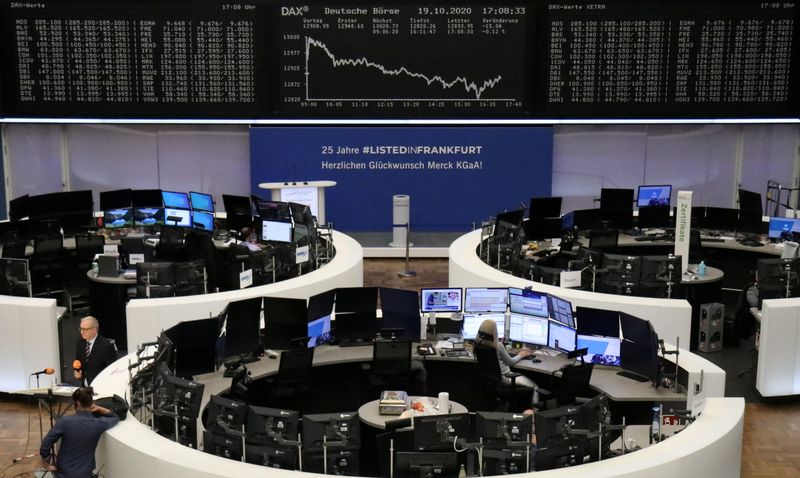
(86, 246)
(391, 356)
(15, 250)
(47, 247)
(488, 366)
(695, 246)
(604, 240)
(574, 382)
(295, 367)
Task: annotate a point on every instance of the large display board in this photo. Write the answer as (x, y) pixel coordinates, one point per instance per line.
(475, 59)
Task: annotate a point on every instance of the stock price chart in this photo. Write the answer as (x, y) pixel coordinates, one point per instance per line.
(418, 60)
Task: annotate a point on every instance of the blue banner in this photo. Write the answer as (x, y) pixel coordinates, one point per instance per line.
(455, 176)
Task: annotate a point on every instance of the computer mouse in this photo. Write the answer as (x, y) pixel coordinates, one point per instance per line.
(535, 360)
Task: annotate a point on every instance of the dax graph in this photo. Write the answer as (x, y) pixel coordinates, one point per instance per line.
(383, 61)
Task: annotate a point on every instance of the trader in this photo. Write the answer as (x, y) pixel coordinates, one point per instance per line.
(93, 352)
(487, 337)
(79, 435)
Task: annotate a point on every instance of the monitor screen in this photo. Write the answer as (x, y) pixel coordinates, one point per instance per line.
(616, 198)
(203, 221)
(472, 322)
(240, 205)
(148, 216)
(783, 227)
(276, 231)
(641, 358)
(242, 327)
(271, 425)
(201, 201)
(330, 427)
(528, 302)
(147, 198)
(175, 199)
(116, 218)
(436, 432)
(749, 201)
(597, 321)
(721, 218)
(654, 195)
(545, 207)
(120, 198)
(527, 329)
(561, 337)
(178, 217)
(319, 331)
(561, 310)
(194, 343)
(440, 300)
(635, 329)
(400, 311)
(485, 299)
(602, 350)
(356, 327)
(284, 319)
(655, 217)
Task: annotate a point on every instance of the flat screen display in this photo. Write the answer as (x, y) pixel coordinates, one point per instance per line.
(602, 350)
(178, 217)
(319, 331)
(783, 227)
(440, 300)
(148, 216)
(561, 310)
(472, 322)
(203, 220)
(654, 195)
(485, 299)
(116, 218)
(201, 201)
(527, 329)
(175, 199)
(276, 231)
(560, 337)
(528, 302)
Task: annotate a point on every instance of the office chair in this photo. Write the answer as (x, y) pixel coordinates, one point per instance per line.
(15, 250)
(507, 396)
(170, 244)
(572, 387)
(294, 375)
(76, 287)
(391, 365)
(605, 241)
(696, 253)
(47, 263)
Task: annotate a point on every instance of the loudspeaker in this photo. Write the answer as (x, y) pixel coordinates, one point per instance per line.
(712, 325)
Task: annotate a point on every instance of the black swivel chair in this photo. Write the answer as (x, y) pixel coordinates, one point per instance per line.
(15, 250)
(391, 365)
(294, 375)
(572, 387)
(696, 253)
(491, 378)
(76, 287)
(47, 264)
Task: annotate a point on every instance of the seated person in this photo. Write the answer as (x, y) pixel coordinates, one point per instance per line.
(487, 337)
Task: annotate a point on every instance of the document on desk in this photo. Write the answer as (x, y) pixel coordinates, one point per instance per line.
(444, 344)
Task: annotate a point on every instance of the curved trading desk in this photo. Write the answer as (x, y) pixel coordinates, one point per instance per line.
(711, 446)
(146, 318)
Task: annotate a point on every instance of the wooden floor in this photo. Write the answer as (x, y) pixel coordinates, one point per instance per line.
(771, 445)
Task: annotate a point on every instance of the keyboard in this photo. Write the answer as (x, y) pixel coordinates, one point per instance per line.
(458, 353)
(712, 239)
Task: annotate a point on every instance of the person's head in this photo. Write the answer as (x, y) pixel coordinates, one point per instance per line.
(487, 334)
(89, 328)
(83, 398)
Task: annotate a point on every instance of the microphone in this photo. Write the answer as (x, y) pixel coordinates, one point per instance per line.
(76, 365)
(47, 371)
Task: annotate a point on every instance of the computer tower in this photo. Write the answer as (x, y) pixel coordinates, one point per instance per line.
(712, 325)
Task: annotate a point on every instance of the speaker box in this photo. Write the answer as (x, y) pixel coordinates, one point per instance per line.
(712, 326)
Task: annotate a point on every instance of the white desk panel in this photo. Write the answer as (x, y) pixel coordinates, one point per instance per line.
(28, 342)
(778, 370)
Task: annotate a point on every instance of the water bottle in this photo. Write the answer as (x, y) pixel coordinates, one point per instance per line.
(462, 473)
(701, 269)
(655, 427)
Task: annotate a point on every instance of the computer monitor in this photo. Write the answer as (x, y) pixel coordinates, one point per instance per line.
(117, 199)
(225, 415)
(319, 331)
(203, 221)
(536, 229)
(616, 198)
(654, 196)
(541, 208)
(15, 277)
(146, 198)
(661, 269)
(177, 217)
(640, 359)
(528, 329)
(552, 425)
(201, 201)
(507, 222)
(155, 273)
(438, 432)
(503, 429)
(222, 445)
(276, 231)
(173, 199)
(335, 429)
(148, 216)
(242, 326)
(284, 319)
(783, 228)
(622, 273)
(400, 310)
(601, 350)
(18, 208)
(418, 464)
(750, 201)
(591, 416)
(635, 329)
(272, 456)
(484, 299)
(117, 218)
(273, 210)
(593, 321)
(355, 327)
(320, 305)
(240, 205)
(271, 425)
(440, 300)
(195, 346)
(185, 394)
(528, 302)
(655, 217)
(721, 218)
(357, 299)
(470, 324)
(561, 337)
(561, 310)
